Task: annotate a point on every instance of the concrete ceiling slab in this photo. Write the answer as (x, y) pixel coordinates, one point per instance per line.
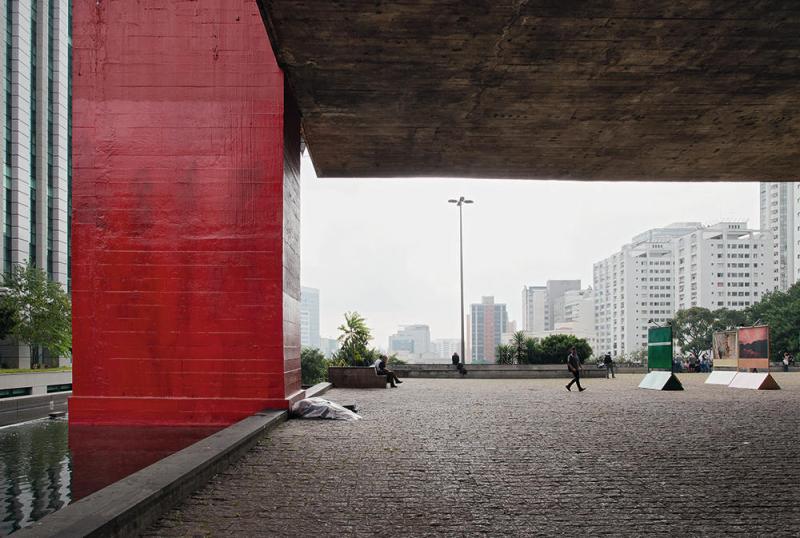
(545, 89)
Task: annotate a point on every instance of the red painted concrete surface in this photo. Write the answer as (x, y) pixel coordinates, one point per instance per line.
(185, 215)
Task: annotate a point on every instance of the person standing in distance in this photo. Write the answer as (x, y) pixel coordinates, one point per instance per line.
(574, 365)
(609, 363)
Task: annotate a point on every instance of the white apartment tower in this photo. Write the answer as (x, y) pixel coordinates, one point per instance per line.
(723, 266)
(633, 289)
(779, 211)
(36, 126)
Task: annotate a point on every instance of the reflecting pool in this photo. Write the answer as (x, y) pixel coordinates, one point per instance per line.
(46, 465)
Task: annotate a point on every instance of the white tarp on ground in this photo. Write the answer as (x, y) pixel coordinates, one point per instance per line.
(322, 408)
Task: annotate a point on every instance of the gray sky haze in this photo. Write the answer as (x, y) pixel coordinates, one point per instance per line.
(388, 248)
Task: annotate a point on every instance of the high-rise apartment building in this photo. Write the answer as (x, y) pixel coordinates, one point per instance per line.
(780, 215)
(309, 318)
(36, 155)
(488, 321)
(677, 267)
(539, 303)
(534, 308)
(723, 266)
(634, 288)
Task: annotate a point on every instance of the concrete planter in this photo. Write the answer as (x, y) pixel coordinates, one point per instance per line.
(356, 377)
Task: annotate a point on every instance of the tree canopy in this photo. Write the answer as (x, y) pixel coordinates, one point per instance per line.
(552, 349)
(354, 341)
(41, 310)
(692, 329)
(313, 366)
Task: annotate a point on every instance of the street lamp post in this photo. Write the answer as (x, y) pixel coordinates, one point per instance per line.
(460, 202)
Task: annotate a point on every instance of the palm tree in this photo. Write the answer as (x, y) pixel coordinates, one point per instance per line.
(520, 349)
(354, 339)
(504, 354)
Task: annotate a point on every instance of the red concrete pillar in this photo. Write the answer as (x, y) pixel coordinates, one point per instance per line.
(185, 215)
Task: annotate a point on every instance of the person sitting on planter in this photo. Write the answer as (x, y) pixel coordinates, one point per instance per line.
(380, 369)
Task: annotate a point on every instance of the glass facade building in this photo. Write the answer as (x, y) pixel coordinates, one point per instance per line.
(36, 124)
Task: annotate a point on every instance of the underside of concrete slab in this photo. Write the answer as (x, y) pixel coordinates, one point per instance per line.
(622, 90)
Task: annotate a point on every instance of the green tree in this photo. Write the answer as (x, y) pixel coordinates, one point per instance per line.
(781, 311)
(725, 319)
(532, 350)
(8, 319)
(692, 329)
(519, 347)
(555, 348)
(313, 366)
(43, 310)
(504, 354)
(354, 342)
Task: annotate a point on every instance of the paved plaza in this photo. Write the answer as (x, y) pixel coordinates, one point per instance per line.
(518, 457)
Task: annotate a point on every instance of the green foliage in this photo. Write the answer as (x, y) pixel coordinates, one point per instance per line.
(8, 319)
(354, 342)
(43, 310)
(550, 350)
(555, 348)
(504, 354)
(531, 350)
(692, 329)
(519, 348)
(781, 311)
(313, 366)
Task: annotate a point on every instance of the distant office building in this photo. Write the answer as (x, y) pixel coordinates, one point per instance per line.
(574, 314)
(36, 103)
(780, 215)
(540, 304)
(723, 266)
(488, 322)
(309, 317)
(555, 291)
(412, 339)
(445, 347)
(534, 308)
(634, 288)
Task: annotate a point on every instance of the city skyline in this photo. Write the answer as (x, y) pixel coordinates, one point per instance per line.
(389, 248)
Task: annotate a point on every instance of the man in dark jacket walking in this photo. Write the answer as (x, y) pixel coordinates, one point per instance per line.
(609, 364)
(574, 365)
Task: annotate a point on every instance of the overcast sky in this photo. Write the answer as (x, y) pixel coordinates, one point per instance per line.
(388, 248)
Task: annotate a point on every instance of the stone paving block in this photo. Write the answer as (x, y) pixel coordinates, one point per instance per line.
(518, 457)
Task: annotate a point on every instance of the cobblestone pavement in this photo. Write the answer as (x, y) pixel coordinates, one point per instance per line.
(519, 457)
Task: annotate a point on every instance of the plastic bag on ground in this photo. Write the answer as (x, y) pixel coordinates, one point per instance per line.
(322, 408)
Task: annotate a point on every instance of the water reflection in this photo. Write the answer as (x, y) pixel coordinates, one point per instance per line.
(35, 472)
(45, 465)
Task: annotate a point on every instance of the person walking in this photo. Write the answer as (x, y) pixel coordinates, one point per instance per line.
(786, 360)
(574, 365)
(609, 364)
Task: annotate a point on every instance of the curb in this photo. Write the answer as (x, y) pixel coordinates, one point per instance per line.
(130, 506)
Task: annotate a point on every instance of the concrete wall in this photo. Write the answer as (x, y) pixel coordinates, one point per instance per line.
(186, 215)
(38, 382)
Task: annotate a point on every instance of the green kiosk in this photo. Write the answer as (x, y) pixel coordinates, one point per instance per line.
(661, 374)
